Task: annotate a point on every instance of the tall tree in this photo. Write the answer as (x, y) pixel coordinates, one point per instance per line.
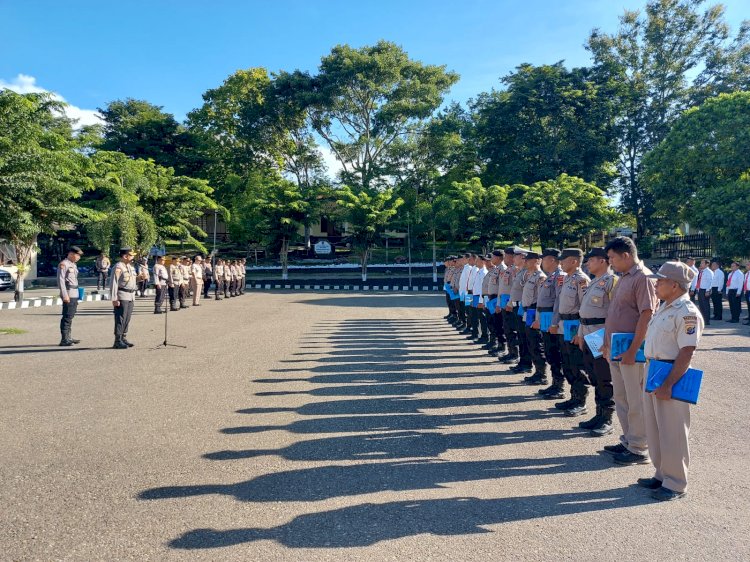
(652, 56)
(41, 175)
(366, 215)
(364, 100)
(698, 173)
(547, 121)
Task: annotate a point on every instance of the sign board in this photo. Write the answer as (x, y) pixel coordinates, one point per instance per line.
(323, 248)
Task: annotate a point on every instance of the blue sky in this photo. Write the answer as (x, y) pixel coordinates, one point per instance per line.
(170, 52)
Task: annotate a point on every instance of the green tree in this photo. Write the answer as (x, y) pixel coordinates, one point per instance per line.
(366, 216)
(549, 120)
(652, 56)
(483, 211)
(41, 175)
(692, 172)
(565, 209)
(270, 211)
(363, 100)
(116, 182)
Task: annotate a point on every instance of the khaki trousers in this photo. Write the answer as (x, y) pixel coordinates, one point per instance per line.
(197, 287)
(667, 428)
(627, 383)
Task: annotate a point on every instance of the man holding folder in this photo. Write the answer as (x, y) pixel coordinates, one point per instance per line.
(673, 334)
(633, 302)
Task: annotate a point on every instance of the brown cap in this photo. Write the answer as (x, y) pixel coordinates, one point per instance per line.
(675, 271)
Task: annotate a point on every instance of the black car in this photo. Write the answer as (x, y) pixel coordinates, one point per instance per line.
(6, 281)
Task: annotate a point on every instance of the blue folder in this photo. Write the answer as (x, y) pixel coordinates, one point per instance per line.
(595, 341)
(520, 310)
(467, 299)
(545, 321)
(570, 329)
(530, 316)
(686, 389)
(446, 288)
(492, 306)
(504, 300)
(620, 343)
(474, 300)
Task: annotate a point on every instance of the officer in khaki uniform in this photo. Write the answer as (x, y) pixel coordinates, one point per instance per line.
(122, 294)
(67, 284)
(218, 279)
(175, 282)
(594, 308)
(505, 284)
(672, 336)
(161, 280)
(535, 279)
(447, 273)
(227, 279)
(184, 281)
(241, 264)
(196, 280)
(567, 307)
(516, 293)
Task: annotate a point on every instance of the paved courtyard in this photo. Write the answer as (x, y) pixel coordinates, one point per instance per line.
(301, 426)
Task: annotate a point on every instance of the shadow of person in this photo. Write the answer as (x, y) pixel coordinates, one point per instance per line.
(370, 523)
(392, 445)
(333, 481)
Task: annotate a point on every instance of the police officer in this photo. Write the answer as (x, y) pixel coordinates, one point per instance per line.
(196, 280)
(717, 289)
(477, 302)
(182, 292)
(227, 279)
(447, 273)
(492, 281)
(534, 280)
(208, 275)
(454, 283)
(672, 336)
(703, 290)
(102, 269)
(67, 283)
(219, 279)
(143, 276)
(122, 293)
(566, 309)
(516, 293)
(505, 284)
(594, 307)
(175, 282)
(552, 343)
(161, 281)
(735, 280)
(241, 274)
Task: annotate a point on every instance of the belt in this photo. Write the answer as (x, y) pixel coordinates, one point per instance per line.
(531, 307)
(545, 309)
(670, 361)
(469, 292)
(569, 316)
(127, 290)
(67, 287)
(592, 321)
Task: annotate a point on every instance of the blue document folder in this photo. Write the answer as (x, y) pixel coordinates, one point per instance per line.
(686, 389)
(475, 300)
(492, 306)
(467, 299)
(504, 300)
(520, 310)
(545, 321)
(530, 316)
(595, 341)
(620, 343)
(570, 329)
(446, 288)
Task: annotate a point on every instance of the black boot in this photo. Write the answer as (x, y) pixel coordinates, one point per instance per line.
(508, 358)
(593, 422)
(605, 425)
(520, 368)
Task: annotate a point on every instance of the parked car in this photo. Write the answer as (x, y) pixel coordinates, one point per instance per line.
(6, 280)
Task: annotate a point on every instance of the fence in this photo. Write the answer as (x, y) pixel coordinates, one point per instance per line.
(696, 245)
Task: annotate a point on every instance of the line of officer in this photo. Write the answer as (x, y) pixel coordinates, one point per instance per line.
(535, 278)
(551, 342)
(67, 284)
(122, 294)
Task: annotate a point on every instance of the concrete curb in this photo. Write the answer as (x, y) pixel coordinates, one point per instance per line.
(56, 301)
(361, 287)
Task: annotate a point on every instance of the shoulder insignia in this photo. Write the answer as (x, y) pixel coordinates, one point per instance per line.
(602, 283)
(62, 265)
(560, 280)
(690, 329)
(692, 319)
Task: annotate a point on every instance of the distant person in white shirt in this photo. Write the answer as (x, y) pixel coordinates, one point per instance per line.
(746, 291)
(690, 262)
(735, 282)
(703, 290)
(717, 289)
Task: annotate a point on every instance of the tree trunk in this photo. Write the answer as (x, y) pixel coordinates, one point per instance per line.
(364, 256)
(24, 250)
(284, 258)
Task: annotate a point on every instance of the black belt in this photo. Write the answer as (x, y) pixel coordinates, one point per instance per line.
(127, 290)
(469, 292)
(530, 307)
(68, 287)
(569, 316)
(545, 309)
(592, 321)
(670, 361)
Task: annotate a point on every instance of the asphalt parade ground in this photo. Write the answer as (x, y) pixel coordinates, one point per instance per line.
(301, 426)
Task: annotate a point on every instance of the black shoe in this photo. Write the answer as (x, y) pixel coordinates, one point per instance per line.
(615, 449)
(557, 395)
(196, 305)
(126, 342)
(629, 459)
(183, 306)
(746, 322)
(566, 405)
(158, 312)
(535, 380)
(592, 423)
(508, 358)
(483, 340)
(649, 483)
(520, 368)
(488, 346)
(173, 309)
(603, 429)
(465, 331)
(75, 340)
(120, 345)
(472, 336)
(65, 343)
(492, 352)
(577, 410)
(552, 389)
(666, 495)
(734, 321)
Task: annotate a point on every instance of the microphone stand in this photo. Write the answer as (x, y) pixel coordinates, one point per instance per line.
(165, 344)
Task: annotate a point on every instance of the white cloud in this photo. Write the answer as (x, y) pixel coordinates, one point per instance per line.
(25, 84)
(332, 163)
